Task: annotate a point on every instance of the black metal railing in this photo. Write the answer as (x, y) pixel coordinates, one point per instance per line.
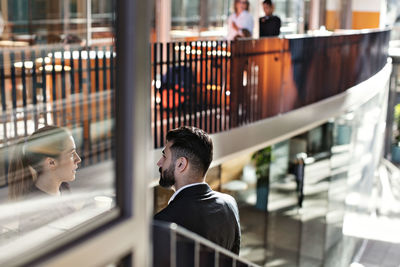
(71, 87)
(218, 85)
(190, 86)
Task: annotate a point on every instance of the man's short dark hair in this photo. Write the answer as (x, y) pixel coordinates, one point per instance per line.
(267, 2)
(193, 144)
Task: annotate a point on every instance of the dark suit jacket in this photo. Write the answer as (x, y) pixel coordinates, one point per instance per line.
(270, 26)
(210, 214)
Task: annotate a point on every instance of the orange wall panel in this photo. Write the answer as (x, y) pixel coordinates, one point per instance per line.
(365, 20)
(332, 21)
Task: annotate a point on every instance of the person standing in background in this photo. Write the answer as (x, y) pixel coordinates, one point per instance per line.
(269, 24)
(240, 23)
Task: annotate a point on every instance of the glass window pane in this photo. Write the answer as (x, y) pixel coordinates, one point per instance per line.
(217, 13)
(185, 13)
(57, 60)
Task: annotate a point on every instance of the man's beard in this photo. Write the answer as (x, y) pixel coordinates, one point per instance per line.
(167, 178)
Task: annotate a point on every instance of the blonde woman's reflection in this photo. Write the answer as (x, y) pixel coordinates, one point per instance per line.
(43, 163)
(40, 168)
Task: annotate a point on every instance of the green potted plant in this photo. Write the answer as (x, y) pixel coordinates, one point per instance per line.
(262, 160)
(396, 145)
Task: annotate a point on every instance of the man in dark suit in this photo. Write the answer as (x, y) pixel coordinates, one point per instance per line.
(194, 205)
(270, 25)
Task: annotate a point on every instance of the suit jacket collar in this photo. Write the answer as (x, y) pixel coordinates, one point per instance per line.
(199, 189)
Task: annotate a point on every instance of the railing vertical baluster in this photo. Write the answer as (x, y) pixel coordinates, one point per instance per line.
(245, 89)
(201, 85)
(220, 74)
(104, 104)
(240, 92)
(63, 88)
(161, 96)
(168, 85)
(97, 103)
(89, 106)
(216, 258)
(196, 254)
(173, 248)
(2, 84)
(185, 84)
(74, 96)
(229, 80)
(249, 107)
(74, 99)
(206, 84)
(23, 78)
(112, 89)
(258, 88)
(216, 113)
(112, 86)
(14, 92)
(155, 94)
(4, 115)
(44, 85)
(215, 86)
(254, 93)
(224, 84)
(3, 96)
(54, 92)
(24, 94)
(190, 82)
(212, 83)
(34, 89)
(196, 80)
(248, 93)
(111, 96)
(173, 84)
(178, 82)
(251, 86)
(81, 104)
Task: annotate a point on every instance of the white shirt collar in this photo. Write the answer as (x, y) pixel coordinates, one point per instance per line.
(180, 189)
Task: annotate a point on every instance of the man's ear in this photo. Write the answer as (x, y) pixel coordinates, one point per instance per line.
(181, 164)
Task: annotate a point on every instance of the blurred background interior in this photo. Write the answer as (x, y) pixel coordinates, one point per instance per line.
(306, 127)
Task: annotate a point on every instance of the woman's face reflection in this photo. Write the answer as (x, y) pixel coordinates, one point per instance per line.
(67, 162)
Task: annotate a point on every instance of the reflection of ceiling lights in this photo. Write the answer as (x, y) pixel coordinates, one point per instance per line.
(83, 54)
(213, 87)
(26, 64)
(46, 60)
(57, 68)
(194, 50)
(29, 65)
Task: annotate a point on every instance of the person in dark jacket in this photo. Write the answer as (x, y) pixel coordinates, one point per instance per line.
(270, 25)
(194, 205)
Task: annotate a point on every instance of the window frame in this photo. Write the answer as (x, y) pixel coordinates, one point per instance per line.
(129, 222)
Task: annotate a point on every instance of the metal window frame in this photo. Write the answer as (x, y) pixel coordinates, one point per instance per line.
(124, 231)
